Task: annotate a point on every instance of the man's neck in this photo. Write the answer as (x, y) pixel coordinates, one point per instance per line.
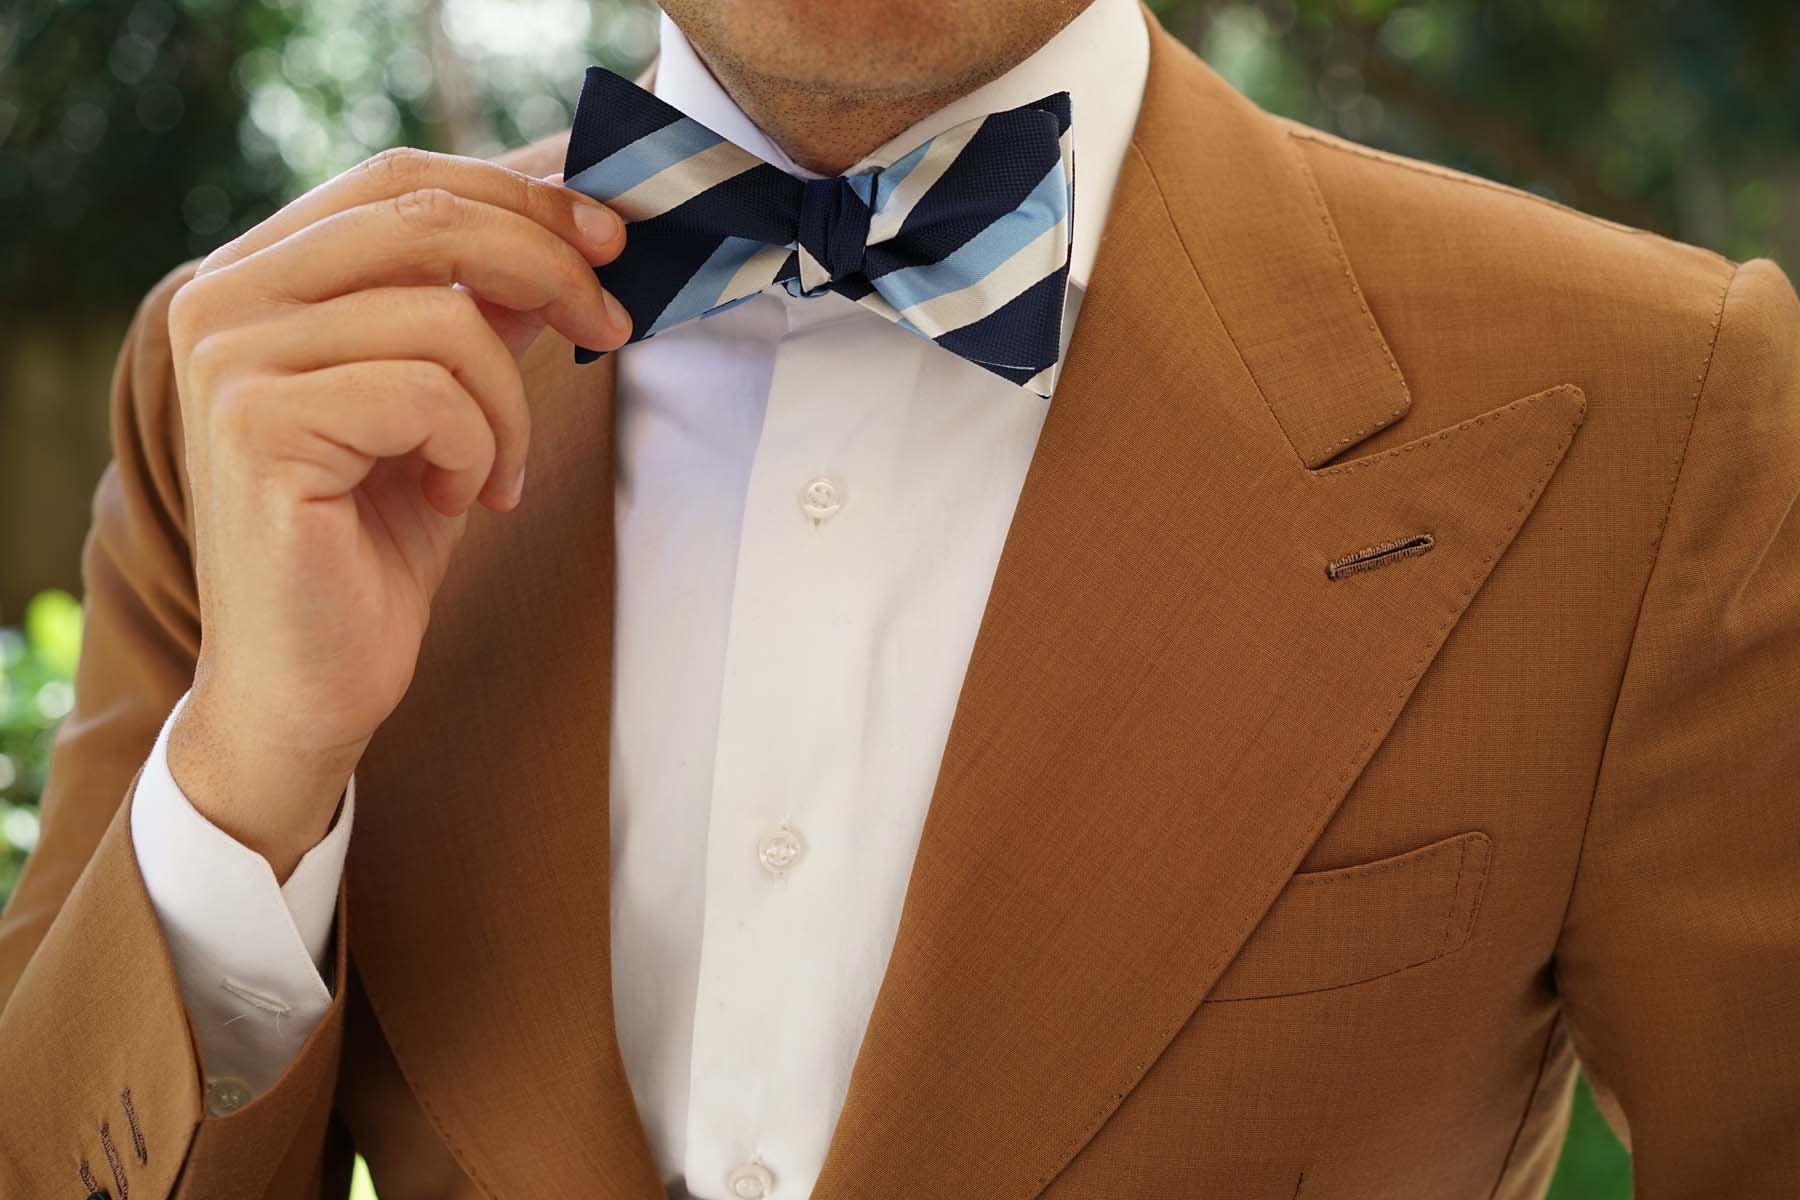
(827, 127)
(827, 131)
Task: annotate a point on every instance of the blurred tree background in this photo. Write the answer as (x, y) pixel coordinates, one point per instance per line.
(137, 133)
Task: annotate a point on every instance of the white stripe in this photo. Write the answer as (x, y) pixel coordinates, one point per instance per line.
(812, 271)
(1040, 257)
(757, 273)
(896, 208)
(1068, 161)
(677, 184)
(1043, 383)
(876, 303)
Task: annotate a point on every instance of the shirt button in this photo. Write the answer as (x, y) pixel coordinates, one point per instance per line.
(779, 848)
(750, 1181)
(225, 1094)
(821, 497)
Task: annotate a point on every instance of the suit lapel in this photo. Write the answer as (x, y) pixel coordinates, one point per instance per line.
(478, 876)
(1167, 700)
(1169, 695)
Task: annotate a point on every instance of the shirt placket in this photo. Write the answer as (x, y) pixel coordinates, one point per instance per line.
(788, 769)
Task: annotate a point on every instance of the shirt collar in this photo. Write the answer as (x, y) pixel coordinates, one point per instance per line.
(1101, 59)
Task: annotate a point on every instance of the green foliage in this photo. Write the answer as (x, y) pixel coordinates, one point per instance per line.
(1677, 115)
(37, 672)
(361, 1186)
(137, 133)
(1593, 1165)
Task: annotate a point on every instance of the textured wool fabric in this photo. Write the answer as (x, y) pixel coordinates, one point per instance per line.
(1240, 879)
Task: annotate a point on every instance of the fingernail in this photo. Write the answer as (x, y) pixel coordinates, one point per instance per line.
(518, 484)
(597, 224)
(615, 312)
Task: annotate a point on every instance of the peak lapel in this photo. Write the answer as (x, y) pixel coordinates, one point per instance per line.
(1169, 695)
(478, 877)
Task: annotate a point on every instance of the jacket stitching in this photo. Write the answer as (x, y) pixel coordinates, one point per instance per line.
(1444, 947)
(1432, 170)
(1181, 1017)
(450, 1143)
(1462, 861)
(137, 1135)
(112, 1160)
(1387, 353)
(1194, 268)
(1379, 555)
(1429, 957)
(1637, 620)
(1433, 440)
(1399, 862)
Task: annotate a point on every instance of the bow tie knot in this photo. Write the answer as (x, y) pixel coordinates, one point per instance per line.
(964, 241)
(833, 233)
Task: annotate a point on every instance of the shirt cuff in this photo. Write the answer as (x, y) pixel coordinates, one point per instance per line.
(247, 951)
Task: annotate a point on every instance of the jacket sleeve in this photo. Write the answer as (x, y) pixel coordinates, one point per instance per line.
(1679, 962)
(104, 1086)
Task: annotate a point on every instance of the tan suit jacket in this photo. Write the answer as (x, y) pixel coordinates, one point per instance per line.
(1262, 862)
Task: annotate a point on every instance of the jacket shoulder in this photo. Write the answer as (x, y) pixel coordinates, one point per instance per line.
(1508, 241)
(1492, 292)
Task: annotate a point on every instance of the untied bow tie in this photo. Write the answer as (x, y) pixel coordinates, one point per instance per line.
(964, 241)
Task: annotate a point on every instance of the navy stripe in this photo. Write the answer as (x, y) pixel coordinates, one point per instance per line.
(1024, 332)
(661, 254)
(1005, 159)
(1008, 156)
(610, 115)
(651, 271)
(1018, 375)
(762, 204)
(853, 287)
(1057, 105)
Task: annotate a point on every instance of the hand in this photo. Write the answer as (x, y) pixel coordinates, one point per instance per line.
(348, 372)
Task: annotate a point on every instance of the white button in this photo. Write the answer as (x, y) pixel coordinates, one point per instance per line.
(779, 848)
(750, 1181)
(821, 497)
(226, 1094)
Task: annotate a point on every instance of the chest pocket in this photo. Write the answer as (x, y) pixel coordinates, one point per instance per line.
(1332, 928)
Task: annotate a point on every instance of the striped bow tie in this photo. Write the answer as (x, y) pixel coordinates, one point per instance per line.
(964, 241)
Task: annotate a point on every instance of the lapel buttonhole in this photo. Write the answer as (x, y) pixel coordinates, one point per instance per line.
(1378, 555)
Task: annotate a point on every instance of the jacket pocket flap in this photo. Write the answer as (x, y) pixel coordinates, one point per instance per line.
(1332, 928)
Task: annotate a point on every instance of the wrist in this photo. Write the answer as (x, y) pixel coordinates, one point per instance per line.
(275, 798)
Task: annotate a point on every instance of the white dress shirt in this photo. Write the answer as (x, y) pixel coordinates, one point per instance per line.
(810, 506)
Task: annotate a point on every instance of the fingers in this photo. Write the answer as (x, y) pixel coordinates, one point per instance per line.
(436, 326)
(393, 173)
(453, 262)
(409, 217)
(329, 427)
(434, 236)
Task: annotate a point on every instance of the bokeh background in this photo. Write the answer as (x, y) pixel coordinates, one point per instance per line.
(137, 133)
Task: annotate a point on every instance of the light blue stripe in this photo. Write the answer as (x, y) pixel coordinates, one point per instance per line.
(629, 166)
(705, 286)
(890, 177)
(977, 258)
